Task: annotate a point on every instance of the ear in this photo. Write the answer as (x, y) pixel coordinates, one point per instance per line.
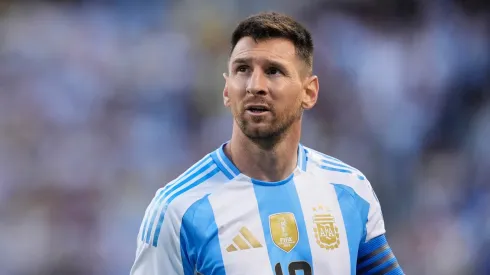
(311, 87)
(226, 98)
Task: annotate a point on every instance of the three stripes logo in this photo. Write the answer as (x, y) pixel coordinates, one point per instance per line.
(243, 241)
(155, 215)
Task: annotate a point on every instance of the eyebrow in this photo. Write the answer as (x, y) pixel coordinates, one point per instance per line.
(245, 60)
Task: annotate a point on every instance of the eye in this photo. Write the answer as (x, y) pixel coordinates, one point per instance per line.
(273, 71)
(241, 69)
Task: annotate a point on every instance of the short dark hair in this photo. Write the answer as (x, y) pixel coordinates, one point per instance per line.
(267, 25)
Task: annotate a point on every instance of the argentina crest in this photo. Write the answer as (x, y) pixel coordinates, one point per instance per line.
(284, 230)
(326, 231)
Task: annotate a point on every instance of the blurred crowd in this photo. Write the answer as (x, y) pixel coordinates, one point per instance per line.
(103, 102)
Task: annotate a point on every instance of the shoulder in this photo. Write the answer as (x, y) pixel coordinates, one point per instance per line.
(351, 186)
(338, 173)
(171, 202)
(201, 179)
(316, 159)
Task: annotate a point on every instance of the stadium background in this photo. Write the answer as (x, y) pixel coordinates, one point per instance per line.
(102, 102)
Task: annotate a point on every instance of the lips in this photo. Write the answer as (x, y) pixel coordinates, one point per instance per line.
(257, 108)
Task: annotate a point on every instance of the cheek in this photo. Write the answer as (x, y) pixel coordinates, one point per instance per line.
(291, 97)
(235, 93)
(233, 87)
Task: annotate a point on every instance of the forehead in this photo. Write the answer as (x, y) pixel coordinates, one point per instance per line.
(277, 49)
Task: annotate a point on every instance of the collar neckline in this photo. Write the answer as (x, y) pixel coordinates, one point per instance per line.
(232, 172)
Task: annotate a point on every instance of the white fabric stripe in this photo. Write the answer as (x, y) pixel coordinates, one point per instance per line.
(375, 225)
(312, 194)
(237, 200)
(147, 216)
(329, 158)
(170, 230)
(225, 165)
(161, 206)
(300, 157)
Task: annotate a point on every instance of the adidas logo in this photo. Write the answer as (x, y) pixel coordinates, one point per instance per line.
(243, 240)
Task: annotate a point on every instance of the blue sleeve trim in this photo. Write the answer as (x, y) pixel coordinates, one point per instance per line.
(376, 258)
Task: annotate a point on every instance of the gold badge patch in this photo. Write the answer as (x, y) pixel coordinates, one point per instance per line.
(326, 231)
(284, 230)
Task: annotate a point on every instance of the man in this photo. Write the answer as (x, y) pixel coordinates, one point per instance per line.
(262, 203)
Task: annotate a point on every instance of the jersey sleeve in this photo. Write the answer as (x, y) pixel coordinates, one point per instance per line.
(160, 247)
(375, 225)
(376, 257)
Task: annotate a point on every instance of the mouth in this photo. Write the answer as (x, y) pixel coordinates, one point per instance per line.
(257, 109)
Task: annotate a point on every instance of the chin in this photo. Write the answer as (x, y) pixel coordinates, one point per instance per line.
(262, 132)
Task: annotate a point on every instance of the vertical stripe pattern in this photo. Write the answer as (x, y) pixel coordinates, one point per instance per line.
(283, 228)
(200, 234)
(201, 173)
(235, 208)
(323, 218)
(200, 178)
(154, 205)
(355, 213)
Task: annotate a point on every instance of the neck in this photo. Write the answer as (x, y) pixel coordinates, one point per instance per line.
(265, 160)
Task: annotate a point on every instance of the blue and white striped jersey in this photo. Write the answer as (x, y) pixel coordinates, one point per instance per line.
(214, 220)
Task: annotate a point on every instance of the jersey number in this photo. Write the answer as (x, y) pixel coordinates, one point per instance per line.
(293, 267)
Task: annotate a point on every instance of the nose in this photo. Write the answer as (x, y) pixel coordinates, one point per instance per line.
(257, 83)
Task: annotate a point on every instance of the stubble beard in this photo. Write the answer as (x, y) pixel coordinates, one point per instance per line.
(275, 130)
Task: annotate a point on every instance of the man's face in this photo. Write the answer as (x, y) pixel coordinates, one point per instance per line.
(266, 88)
